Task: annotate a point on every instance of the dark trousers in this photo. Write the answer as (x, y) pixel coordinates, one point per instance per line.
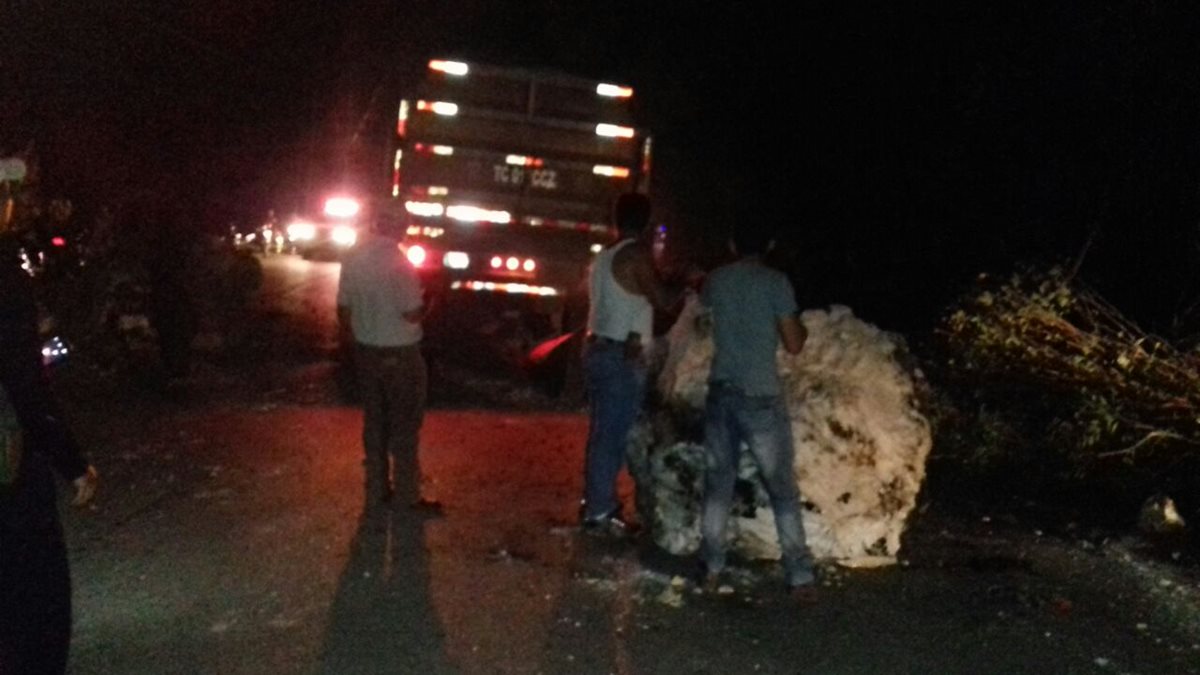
(35, 582)
(392, 385)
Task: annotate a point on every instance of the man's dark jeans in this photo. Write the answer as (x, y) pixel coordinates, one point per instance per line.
(392, 386)
(616, 386)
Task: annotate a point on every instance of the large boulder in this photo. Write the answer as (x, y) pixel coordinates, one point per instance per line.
(861, 444)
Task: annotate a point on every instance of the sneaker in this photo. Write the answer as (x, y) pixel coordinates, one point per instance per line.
(612, 525)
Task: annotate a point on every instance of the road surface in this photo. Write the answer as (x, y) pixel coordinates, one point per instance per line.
(231, 537)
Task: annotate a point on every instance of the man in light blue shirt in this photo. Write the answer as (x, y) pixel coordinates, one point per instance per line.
(753, 310)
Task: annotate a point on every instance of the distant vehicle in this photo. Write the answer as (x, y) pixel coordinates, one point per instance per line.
(505, 180)
(329, 235)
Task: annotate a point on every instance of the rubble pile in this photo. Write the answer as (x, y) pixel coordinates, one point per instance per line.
(861, 444)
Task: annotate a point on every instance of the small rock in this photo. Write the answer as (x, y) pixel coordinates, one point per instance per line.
(1101, 661)
(1143, 627)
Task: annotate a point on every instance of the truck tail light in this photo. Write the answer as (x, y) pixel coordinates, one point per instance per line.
(449, 67)
(529, 265)
(456, 260)
(614, 131)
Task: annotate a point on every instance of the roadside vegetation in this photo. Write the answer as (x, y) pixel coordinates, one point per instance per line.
(1049, 400)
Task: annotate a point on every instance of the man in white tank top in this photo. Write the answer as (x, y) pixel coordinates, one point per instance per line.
(624, 290)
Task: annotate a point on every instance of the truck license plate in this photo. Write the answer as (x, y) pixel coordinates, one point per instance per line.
(542, 179)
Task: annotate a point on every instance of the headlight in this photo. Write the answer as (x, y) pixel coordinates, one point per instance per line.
(344, 235)
(302, 231)
(54, 351)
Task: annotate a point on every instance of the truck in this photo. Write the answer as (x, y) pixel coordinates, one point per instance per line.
(504, 179)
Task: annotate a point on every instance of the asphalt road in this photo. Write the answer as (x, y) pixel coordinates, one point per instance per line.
(230, 537)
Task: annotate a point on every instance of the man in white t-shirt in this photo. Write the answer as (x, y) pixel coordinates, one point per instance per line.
(380, 305)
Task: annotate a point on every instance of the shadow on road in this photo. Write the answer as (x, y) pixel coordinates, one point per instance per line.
(381, 620)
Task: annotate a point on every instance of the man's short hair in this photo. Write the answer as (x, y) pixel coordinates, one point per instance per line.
(752, 239)
(631, 213)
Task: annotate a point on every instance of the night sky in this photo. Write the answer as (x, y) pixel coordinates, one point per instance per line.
(899, 149)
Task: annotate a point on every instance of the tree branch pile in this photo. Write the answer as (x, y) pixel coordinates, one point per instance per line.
(1128, 392)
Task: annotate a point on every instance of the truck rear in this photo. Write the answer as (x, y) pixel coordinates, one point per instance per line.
(505, 179)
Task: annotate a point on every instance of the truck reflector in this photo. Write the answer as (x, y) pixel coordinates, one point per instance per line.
(444, 150)
(613, 131)
(435, 190)
(522, 160)
(439, 107)
(502, 287)
(611, 171)
(402, 119)
(474, 214)
(425, 209)
(449, 67)
(614, 91)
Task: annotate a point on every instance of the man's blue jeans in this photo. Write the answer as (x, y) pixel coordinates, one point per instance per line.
(762, 422)
(616, 387)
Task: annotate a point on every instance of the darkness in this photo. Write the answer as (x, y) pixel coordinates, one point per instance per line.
(899, 150)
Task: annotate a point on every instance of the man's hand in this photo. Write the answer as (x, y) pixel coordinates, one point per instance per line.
(85, 487)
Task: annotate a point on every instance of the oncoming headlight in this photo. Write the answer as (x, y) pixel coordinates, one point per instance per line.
(301, 231)
(344, 235)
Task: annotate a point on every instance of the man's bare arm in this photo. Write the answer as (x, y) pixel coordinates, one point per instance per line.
(648, 282)
(792, 333)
